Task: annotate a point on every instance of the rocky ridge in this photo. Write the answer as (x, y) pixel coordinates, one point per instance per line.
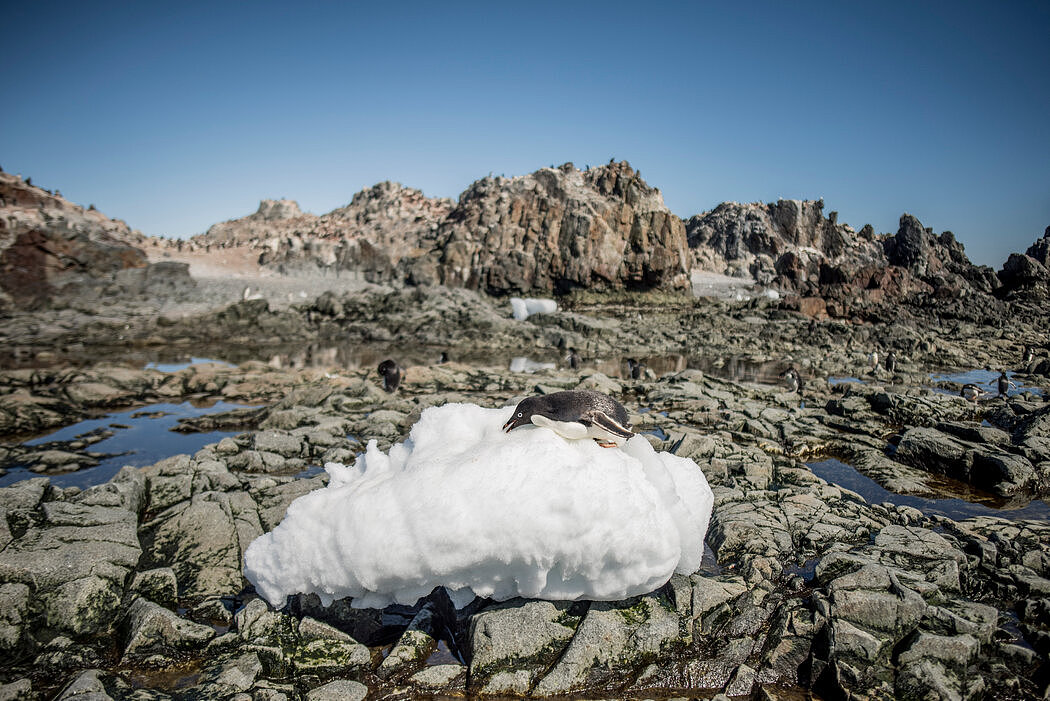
(51, 248)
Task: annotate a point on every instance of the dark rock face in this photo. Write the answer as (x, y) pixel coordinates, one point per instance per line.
(559, 229)
(1027, 276)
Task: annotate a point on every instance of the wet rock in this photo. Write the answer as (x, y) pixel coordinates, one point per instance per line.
(325, 650)
(339, 690)
(513, 643)
(222, 679)
(414, 646)
(152, 629)
(86, 687)
(442, 677)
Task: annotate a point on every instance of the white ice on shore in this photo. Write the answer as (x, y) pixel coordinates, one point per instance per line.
(524, 308)
(462, 504)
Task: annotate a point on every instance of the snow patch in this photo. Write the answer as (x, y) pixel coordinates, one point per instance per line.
(463, 505)
(524, 308)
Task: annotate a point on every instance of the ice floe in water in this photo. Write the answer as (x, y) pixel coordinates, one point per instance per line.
(463, 505)
(524, 308)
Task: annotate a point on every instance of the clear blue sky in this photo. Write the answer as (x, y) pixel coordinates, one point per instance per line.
(175, 116)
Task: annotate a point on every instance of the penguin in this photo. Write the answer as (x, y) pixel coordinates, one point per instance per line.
(573, 358)
(891, 362)
(575, 414)
(971, 392)
(391, 374)
(1004, 384)
(794, 380)
(873, 361)
(635, 369)
(1027, 355)
(443, 359)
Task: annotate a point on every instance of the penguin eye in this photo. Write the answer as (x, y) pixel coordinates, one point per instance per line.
(519, 414)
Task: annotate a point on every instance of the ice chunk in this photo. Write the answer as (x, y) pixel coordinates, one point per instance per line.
(524, 308)
(462, 504)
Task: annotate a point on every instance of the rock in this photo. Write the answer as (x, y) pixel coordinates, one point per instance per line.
(614, 641)
(158, 585)
(229, 677)
(203, 541)
(439, 677)
(414, 646)
(86, 687)
(339, 690)
(16, 690)
(518, 637)
(153, 629)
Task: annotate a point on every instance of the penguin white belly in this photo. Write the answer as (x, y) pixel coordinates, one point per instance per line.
(574, 430)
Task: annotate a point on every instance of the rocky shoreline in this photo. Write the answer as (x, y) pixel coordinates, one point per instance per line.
(133, 588)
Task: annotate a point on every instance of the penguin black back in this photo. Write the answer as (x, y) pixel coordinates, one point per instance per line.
(570, 405)
(391, 374)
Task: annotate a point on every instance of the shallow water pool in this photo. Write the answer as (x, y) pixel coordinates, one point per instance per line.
(844, 475)
(141, 436)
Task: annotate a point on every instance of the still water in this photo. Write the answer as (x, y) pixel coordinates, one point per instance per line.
(141, 436)
(844, 475)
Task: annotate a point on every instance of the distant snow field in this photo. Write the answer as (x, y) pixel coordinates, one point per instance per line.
(463, 505)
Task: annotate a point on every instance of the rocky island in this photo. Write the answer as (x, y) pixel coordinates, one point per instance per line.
(874, 534)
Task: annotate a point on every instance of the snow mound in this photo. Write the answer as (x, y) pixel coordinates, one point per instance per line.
(463, 505)
(524, 308)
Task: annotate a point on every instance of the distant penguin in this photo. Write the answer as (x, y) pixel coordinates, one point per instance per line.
(573, 359)
(793, 380)
(1027, 355)
(443, 359)
(391, 374)
(1004, 384)
(635, 369)
(891, 362)
(575, 414)
(971, 392)
(873, 361)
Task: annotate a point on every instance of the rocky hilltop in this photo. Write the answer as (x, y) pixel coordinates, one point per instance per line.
(47, 242)
(550, 231)
(369, 236)
(1027, 276)
(829, 267)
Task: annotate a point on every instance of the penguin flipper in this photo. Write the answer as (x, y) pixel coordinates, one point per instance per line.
(606, 423)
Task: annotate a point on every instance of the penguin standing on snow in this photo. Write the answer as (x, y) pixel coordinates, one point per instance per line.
(391, 374)
(575, 414)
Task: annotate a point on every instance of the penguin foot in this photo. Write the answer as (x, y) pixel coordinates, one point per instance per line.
(605, 444)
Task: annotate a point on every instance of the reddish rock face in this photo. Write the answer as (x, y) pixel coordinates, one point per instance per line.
(47, 242)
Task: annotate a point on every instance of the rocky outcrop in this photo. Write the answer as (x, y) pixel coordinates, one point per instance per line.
(368, 237)
(1027, 276)
(52, 249)
(551, 231)
(783, 241)
(791, 246)
(560, 229)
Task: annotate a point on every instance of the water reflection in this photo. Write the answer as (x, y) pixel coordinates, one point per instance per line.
(845, 475)
(137, 437)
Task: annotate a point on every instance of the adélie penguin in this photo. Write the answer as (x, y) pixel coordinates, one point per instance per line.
(575, 414)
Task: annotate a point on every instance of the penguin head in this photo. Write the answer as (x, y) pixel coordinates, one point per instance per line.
(387, 367)
(523, 412)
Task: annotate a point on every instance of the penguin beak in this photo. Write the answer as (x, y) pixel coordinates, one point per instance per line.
(512, 424)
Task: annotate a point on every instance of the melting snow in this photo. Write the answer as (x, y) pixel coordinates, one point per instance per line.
(463, 505)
